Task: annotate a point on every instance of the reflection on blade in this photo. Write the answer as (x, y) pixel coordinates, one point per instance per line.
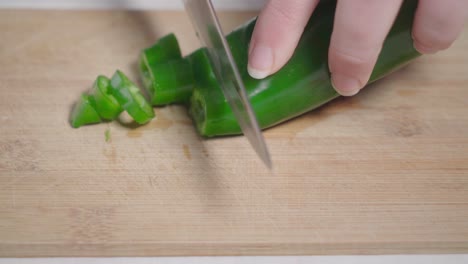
(207, 25)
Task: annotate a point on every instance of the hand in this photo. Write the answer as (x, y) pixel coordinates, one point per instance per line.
(360, 29)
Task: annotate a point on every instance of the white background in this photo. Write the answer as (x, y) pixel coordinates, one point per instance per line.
(225, 5)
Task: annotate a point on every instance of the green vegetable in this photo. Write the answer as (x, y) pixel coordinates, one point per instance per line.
(84, 112)
(166, 49)
(130, 98)
(164, 73)
(106, 104)
(107, 100)
(302, 85)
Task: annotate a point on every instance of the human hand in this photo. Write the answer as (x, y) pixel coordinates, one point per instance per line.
(360, 29)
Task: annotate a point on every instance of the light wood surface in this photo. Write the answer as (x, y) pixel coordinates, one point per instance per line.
(383, 172)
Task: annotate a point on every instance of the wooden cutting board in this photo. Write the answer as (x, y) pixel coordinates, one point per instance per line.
(383, 172)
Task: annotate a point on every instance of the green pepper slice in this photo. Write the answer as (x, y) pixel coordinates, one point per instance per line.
(130, 98)
(84, 112)
(106, 105)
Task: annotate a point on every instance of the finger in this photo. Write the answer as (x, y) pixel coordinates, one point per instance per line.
(438, 23)
(276, 35)
(360, 29)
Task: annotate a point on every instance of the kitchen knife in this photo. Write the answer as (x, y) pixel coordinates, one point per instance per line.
(206, 23)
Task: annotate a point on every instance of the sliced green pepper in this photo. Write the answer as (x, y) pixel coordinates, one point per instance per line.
(108, 99)
(84, 112)
(106, 104)
(130, 98)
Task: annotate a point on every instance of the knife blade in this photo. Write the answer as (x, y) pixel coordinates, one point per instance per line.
(206, 23)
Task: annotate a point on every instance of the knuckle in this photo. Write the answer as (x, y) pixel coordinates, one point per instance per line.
(349, 58)
(359, 64)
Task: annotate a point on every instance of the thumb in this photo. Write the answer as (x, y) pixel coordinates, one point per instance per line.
(276, 35)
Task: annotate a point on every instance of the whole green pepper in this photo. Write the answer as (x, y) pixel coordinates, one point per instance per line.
(303, 84)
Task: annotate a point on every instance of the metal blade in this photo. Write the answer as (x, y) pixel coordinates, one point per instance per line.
(206, 23)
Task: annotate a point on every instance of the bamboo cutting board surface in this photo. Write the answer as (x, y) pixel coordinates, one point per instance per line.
(383, 172)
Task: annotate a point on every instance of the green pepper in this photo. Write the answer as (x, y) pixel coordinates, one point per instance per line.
(130, 98)
(84, 112)
(302, 85)
(106, 104)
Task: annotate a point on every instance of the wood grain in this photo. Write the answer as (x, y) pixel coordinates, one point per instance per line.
(383, 172)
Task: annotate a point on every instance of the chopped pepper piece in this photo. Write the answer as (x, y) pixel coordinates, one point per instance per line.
(84, 112)
(130, 98)
(106, 104)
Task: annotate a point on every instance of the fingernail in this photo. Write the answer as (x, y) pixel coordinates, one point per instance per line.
(423, 49)
(345, 85)
(260, 62)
